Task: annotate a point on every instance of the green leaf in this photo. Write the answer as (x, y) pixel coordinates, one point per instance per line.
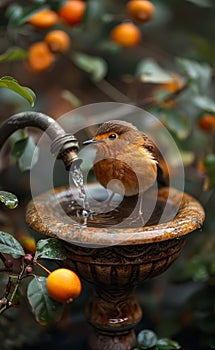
(50, 248)
(198, 73)
(10, 83)
(146, 339)
(44, 308)
(70, 97)
(9, 199)
(9, 245)
(187, 157)
(19, 15)
(201, 3)
(205, 103)
(25, 152)
(40, 1)
(177, 123)
(14, 12)
(110, 46)
(54, 5)
(18, 135)
(13, 54)
(18, 148)
(30, 154)
(28, 12)
(205, 49)
(149, 71)
(167, 344)
(209, 163)
(95, 66)
(94, 11)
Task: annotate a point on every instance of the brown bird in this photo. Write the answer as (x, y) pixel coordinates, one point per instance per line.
(128, 155)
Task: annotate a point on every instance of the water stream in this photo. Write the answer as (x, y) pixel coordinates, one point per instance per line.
(78, 179)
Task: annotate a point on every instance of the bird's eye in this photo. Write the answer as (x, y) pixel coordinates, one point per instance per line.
(112, 136)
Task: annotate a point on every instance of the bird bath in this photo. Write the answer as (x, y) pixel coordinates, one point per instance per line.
(116, 259)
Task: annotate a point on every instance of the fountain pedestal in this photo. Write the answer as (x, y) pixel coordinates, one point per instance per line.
(113, 315)
(115, 260)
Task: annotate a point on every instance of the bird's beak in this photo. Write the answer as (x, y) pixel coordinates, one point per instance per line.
(91, 141)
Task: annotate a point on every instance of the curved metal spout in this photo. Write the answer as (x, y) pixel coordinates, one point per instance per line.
(64, 146)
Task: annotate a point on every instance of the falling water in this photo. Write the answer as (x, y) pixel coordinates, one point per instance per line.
(78, 179)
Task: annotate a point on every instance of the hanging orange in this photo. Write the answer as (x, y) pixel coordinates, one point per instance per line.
(207, 122)
(126, 34)
(140, 11)
(40, 58)
(63, 285)
(44, 19)
(58, 41)
(72, 11)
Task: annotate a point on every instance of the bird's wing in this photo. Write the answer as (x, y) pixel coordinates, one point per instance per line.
(162, 168)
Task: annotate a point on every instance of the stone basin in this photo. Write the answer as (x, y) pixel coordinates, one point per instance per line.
(115, 259)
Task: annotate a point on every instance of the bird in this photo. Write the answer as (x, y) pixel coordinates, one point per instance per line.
(127, 161)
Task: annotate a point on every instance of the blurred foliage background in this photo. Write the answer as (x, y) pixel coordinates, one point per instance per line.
(169, 73)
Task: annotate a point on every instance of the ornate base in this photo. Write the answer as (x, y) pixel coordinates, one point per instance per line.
(113, 314)
(114, 259)
(115, 271)
(105, 342)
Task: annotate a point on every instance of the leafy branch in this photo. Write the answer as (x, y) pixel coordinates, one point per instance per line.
(20, 266)
(12, 84)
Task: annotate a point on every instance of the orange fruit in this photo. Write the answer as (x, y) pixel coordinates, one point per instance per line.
(44, 19)
(28, 242)
(207, 122)
(40, 58)
(72, 11)
(170, 87)
(63, 285)
(201, 166)
(58, 41)
(140, 10)
(173, 85)
(126, 34)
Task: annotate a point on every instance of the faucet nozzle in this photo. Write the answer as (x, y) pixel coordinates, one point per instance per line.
(66, 147)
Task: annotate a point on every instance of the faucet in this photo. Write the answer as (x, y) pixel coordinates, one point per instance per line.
(64, 146)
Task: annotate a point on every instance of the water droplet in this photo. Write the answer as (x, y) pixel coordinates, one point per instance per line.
(85, 213)
(78, 179)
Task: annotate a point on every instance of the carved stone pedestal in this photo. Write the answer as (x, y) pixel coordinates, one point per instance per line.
(115, 260)
(113, 315)
(113, 342)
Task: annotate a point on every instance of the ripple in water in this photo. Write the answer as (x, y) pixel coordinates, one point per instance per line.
(124, 215)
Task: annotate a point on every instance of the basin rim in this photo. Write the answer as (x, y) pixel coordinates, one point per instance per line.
(41, 216)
